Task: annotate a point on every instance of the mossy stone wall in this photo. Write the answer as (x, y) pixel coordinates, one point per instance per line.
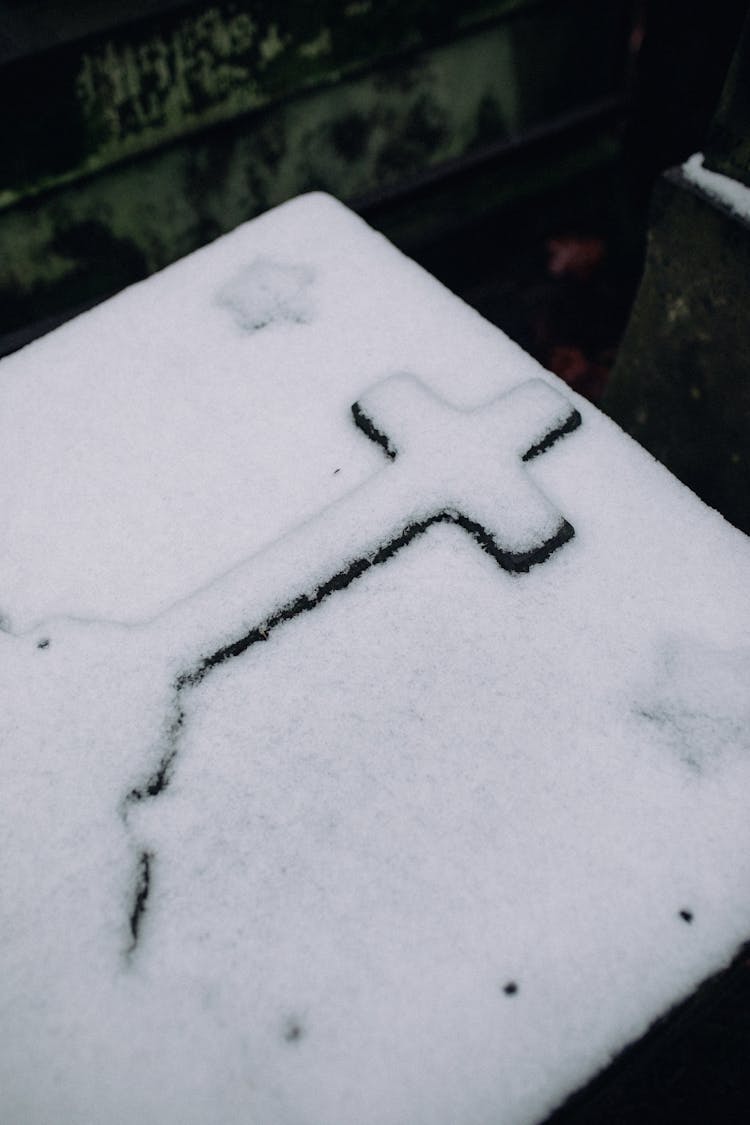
(127, 149)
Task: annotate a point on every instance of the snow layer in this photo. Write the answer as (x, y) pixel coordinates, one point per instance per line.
(730, 192)
(356, 814)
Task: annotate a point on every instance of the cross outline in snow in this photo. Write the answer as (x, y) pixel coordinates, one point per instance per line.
(547, 416)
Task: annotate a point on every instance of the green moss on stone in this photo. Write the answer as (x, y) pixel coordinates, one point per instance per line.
(82, 107)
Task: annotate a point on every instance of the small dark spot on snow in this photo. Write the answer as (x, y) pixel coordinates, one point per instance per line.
(511, 988)
(43, 643)
(336, 471)
(293, 1031)
(687, 916)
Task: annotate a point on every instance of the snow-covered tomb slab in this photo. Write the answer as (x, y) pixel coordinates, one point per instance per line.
(374, 716)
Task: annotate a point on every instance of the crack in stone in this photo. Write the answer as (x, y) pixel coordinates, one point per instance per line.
(571, 423)
(368, 427)
(154, 784)
(140, 897)
(511, 562)
(158, 781)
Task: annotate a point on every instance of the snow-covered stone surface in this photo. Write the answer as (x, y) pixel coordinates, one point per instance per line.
(732, 193)
(381, 765)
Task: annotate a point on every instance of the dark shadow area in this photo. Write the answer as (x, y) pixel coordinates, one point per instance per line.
(690, 1069)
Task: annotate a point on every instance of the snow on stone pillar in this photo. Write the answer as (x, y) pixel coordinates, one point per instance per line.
(681, 385)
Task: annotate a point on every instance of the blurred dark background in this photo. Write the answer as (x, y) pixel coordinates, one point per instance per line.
(510, 146)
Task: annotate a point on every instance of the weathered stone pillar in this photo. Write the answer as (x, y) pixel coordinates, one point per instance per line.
(681, 384)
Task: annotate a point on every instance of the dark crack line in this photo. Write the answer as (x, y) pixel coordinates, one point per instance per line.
(140, 897)
(519, 563)
(158, 781)
(512, 562)
(571, 423)
(155, 784)
(370, 430)
(509, 561)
